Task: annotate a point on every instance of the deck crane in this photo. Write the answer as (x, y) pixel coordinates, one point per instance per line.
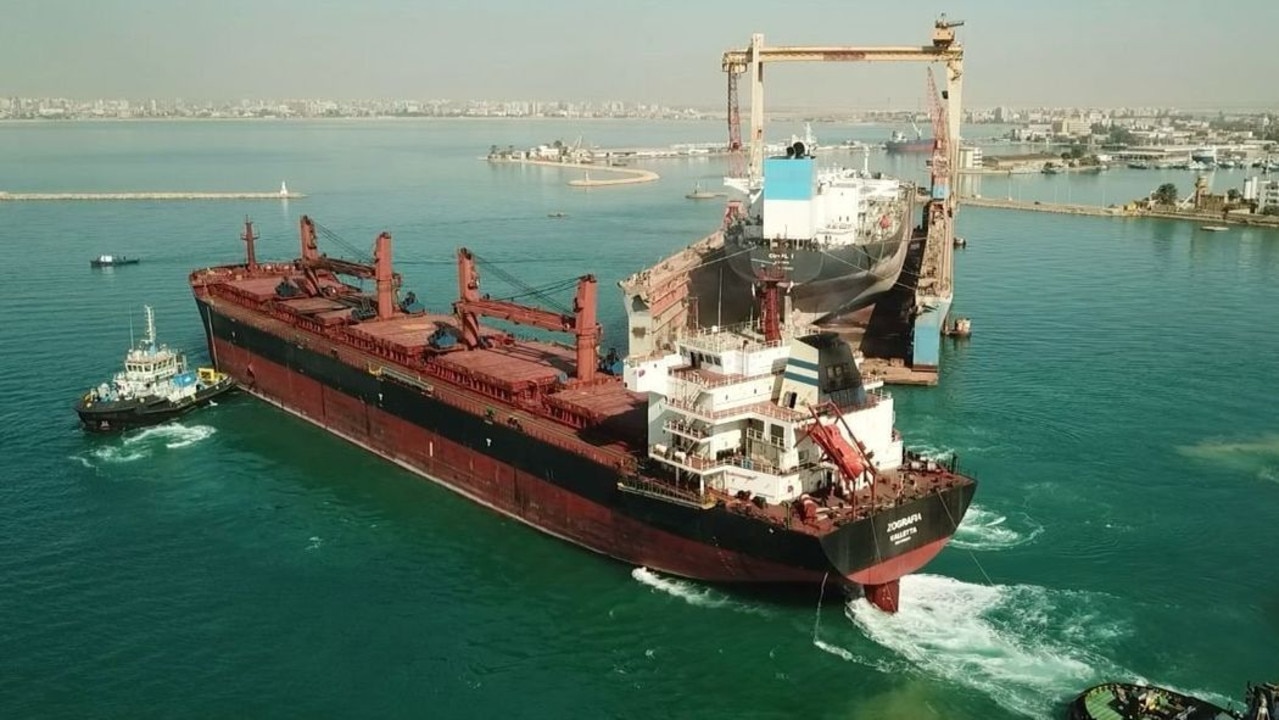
(581, 323)
(943, 48)
(313, 261)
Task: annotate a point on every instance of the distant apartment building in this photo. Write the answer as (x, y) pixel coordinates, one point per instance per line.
(1267, 195)
(1032, 132)
(1250, 188)
(1072, 127)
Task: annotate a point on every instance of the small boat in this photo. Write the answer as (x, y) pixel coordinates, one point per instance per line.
(557, 215)
(1214, 228)
(154, 387)
(1125, 701)
(961, 328)
(700, 194)
(961, 242)
(112, 261)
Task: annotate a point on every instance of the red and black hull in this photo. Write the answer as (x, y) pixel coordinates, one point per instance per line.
(554, 489)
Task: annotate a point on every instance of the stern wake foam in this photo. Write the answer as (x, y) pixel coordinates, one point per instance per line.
(692, 593)
(142, 445)
(995, 639)
(983, 529)
(1027, 647)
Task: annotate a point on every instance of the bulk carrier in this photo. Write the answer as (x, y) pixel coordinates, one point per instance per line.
(752, 454)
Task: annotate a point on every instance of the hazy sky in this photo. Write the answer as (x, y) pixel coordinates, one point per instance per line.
(1189, 53)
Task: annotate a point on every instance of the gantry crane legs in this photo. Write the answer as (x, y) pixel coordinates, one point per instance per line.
(943, 49)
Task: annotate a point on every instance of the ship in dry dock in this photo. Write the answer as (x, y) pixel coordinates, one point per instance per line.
(840, 234)
(748, 454)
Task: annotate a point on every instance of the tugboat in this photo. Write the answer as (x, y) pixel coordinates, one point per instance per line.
(102, 261)
(959, 328)
(1125, 701)
(154, 387)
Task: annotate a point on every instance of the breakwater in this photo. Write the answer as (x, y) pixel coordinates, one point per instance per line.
(1207, 218)
(17, 197)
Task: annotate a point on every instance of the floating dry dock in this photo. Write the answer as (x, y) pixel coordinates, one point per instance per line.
(15, 197)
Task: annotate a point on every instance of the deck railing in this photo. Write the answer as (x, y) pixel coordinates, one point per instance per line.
(686, 429)
(665, 491)
(703, 465)
(766, 409)
(779, 443)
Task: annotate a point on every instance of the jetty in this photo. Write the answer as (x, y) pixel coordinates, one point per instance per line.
(1128, 211)
(1037, 206)
(282, 194)
(630, 176)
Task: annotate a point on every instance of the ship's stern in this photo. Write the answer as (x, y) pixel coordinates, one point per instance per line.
(876, 551)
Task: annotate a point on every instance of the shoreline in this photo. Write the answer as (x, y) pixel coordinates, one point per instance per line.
(1255, 221)
(632, 176)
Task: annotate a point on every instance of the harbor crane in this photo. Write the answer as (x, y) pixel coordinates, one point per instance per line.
(943, 49)
(934, 288)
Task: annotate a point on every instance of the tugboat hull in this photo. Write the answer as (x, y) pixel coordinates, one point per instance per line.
(107, 417)
(1136, 702)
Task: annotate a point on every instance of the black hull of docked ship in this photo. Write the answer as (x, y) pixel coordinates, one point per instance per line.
(830, 282)
(562, 493)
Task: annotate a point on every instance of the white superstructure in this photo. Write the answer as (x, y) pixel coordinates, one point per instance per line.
(729, 411)
(830, 208)
(150, 371)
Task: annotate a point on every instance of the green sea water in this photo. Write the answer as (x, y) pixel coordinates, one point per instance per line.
(1117, 402)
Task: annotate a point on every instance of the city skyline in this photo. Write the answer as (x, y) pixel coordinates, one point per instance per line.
(1086, 54)
(114, 107)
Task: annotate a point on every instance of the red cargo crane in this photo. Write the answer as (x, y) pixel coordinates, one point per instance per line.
(250, 252)
(388, 281)
(768, 284)
(581, 323)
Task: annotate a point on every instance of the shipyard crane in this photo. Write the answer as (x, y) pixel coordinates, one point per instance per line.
(737, 62)
(581, 322)
(939, 216)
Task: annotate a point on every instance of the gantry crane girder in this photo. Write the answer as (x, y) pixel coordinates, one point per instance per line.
(943, 49)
